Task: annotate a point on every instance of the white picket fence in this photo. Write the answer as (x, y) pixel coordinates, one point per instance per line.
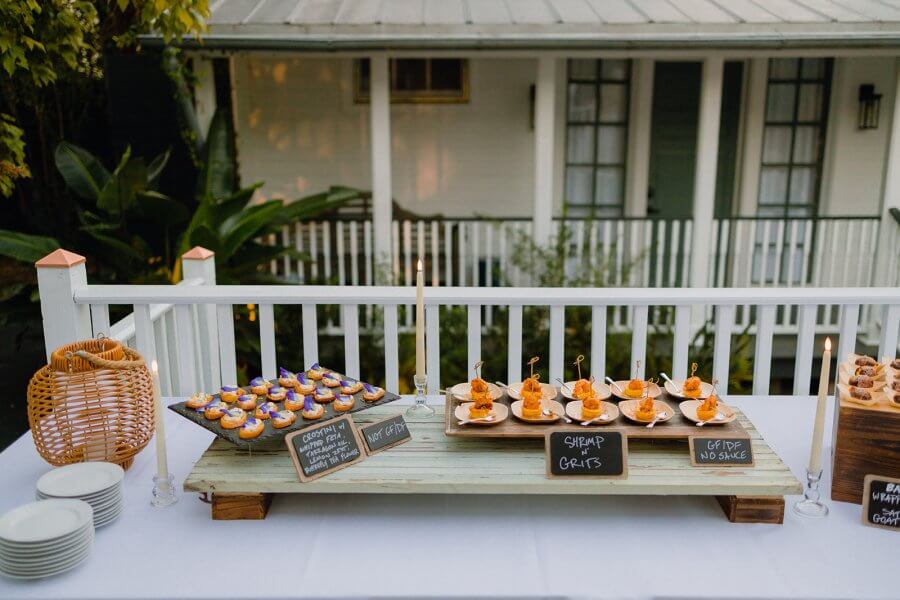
(190, 328)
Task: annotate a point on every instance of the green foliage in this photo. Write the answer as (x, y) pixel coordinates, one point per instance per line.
(12, 155)
(25, 247)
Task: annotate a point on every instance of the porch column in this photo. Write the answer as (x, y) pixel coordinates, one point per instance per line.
(752, 127)
(705, 170)
(204, 92)
(890, 192)
(544, 120)
(380, 122)
(641, 116)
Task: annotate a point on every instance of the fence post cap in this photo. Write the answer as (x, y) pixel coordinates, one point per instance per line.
(60, 259)
(198, 253)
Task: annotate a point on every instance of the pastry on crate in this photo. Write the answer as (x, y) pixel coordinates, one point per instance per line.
(895, 384)
(293, 401)
(199, 400)
(350, 387)
(230, 393)
(233, 418)
(251, 429)
(531, 397)
(215, 409)
(865, 361)
(343, 403)
(862, 381)
(263, 410)
(860, 393)
(315, 372)
(260, 386)
(286, 378)
(895, 364)
(311, 410)
(277, 393)
(692, 384)
(305, 386)
(867, 371)
(324, 395)
(247, 402)
(331, 380)
(282, 418)
(372, 393)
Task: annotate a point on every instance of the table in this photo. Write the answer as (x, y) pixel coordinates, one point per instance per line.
(551, 545)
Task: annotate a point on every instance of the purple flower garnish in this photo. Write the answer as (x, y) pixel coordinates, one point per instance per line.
(246, 398)
(315, 367)
(369, 388)
(291, 395)
(282, 372)
(276, 390)
(257, 381)
(345, 383)
(301, 378)
(229, 388)
(309, 403)
(273, 414)
(250, 422)
(344, 398)
(329, 376)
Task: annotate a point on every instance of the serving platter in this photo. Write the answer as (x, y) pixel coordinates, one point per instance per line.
(653, 390)
(269, 431)
(500, 412)
(610, 411)
(689, 409)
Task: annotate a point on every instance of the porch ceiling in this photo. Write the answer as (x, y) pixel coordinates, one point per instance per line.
(505, 24)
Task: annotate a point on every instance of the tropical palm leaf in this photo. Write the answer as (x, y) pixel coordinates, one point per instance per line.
(83, 173)
(26, 247)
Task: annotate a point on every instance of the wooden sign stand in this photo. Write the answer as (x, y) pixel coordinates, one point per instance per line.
(298, 464)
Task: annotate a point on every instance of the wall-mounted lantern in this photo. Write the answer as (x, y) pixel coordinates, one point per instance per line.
(869, 106)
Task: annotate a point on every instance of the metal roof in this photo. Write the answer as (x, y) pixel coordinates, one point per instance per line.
(361, 24)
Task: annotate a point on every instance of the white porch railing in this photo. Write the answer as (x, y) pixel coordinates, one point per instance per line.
(201, 342)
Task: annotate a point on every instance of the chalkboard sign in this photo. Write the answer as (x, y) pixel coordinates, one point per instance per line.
(881, 502)
(591, 453)
(325, 448)
(385, 434)
(720, 451)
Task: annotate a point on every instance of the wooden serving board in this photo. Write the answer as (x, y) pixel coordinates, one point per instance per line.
(432, 463)
(676, 428)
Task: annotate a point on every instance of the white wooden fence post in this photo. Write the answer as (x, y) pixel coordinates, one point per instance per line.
(200, 263)
(59, 274)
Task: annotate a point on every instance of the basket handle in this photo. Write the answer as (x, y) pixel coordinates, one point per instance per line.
(109, 364)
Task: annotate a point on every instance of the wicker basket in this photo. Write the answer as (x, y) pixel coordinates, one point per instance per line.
(93, 402)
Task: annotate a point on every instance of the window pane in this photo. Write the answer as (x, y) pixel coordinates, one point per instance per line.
(780, 102)
(772, 186)
(803, 183)
(609, 186)
(582, 102)
(582, 68)
(409, 74)
(612, 103)
(813, 68)
(614, 69)
(810, 108)
(446, 74)
(806, 144)
(578, 185)
(783, 68)
(580, 144)
(776, 144)
(611, 145)
(803, 212)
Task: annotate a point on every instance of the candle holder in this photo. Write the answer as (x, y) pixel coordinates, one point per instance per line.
(810, 506)
(164, 491)
(420, 409)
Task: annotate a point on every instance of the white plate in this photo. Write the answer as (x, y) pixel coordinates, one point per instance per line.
(45, 561)
(548, 392)
(7, 548)
(54, 569)
(97, 503)
(706, 390)
(80, 479)
(106, 520)
(25, 551)
(45, 520)
(113, 491)
(601, 388)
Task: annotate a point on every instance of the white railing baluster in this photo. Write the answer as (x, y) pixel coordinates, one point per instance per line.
(476, 252)
(461, 236)
(598, 342)
(764, 254)
(310, 335)
(145, 341)
(673, 252)
(313, 251)
(340, 254)
(792, 259)
(557, 341)
(298, 245)
(172, 350)
(806, 335)
(100, 319)
(762, 357)
(448, 253)
(779, 252)
(326, 251)
(162, 344)
(286, 242)
(354, 253)
(228, 359)
(822, 245)
(273, 264)
(186, 351)
(350, 318)
(407, 253)
(435, 255)
(433, 346)
(639, 340)
(681, 341)
(395, 253)
(503, 268)
(391, 349)
(473, 336)
(204, 374)
(369, 253)
(807, 250)
(488, 270)
(890, 324)
(514, 343)
(268, 360)
(722, 345)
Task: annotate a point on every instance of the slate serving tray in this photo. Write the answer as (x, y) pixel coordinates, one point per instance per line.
(269, 432)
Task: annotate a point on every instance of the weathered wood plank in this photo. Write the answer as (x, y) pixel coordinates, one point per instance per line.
(753, 509)
(229, 507)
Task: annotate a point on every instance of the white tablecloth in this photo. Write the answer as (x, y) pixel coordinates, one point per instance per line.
(378, 545)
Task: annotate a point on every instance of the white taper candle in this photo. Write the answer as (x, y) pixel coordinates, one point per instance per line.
(815, 453)
(162, 465)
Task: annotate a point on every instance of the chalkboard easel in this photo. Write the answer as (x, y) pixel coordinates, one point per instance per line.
(594, 453)
(325, 448)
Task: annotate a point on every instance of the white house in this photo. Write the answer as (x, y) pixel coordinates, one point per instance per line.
(737, 142)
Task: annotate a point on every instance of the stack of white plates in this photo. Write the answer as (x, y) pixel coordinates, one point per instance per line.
(97, 483)
(45, 538)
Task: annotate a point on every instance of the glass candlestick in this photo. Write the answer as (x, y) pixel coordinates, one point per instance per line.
(810, 506)
(164, 491)
(420, 409)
